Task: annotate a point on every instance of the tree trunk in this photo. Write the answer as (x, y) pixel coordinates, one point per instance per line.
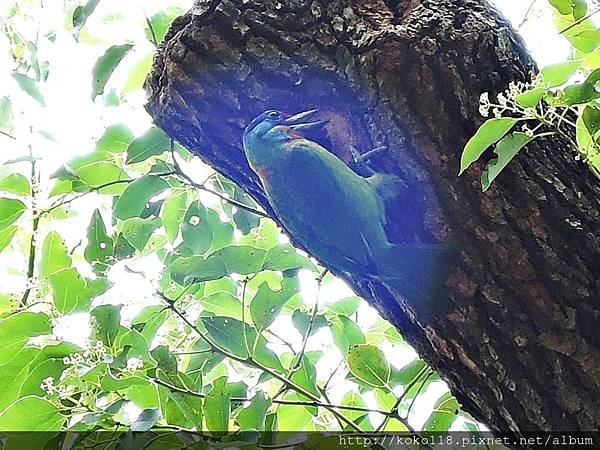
(517, 339)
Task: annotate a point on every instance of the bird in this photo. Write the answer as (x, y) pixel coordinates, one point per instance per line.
(334, 213)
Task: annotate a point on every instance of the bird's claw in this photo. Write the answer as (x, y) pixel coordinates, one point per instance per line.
(361, 160)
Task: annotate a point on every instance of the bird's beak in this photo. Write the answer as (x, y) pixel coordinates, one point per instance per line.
(297, 122)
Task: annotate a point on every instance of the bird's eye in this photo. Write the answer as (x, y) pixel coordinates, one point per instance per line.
(274, 115)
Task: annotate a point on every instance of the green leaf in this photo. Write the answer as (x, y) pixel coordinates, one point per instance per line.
(222, 304)
(82, 13)
(105, 66)
(306, 376)
(107, 320)
(47, 362)
(196, 229)
(285, 257)
(138, 74)
(183, 410)
(489, 133)
(245, 220)
(204, 360)
(591, 119)
(149, 320)
(111, 384)
(353, 398)
(10, 211)
(217, 407)
(196, 269)
(31, 414)
(115, 139)
(346, 333)
(292, 417)
(35, 65)
(165, 359)
(558, 74)
(241, 259)
(137, 194)
(444, 413)
(137, 231)
(228, 334)
(368, 364)
(160, 23)
(173, 213)
(531, 98)
(95, 170)
(7, 303)
(346, 306)
(578, 93)
(153, 142)
(592, 60)
(123, 249)
(254, 415)
(15, 331)
(55, 256)
(99, 249)
(579, 8)
(505, 150)
(408, 373)
(6, 237)
(146, 420)
(266, 236)
(582, 34)
(267, 303)
(15, 183)
(30, 86)
(563, 6)
(69, 291)
(301, 321)
(7, 123)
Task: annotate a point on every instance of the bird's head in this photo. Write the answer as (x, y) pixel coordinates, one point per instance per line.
(275, 126)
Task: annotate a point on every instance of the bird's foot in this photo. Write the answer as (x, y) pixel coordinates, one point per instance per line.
(361, 160)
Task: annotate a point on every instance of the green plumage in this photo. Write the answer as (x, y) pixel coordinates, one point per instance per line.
(336, 214)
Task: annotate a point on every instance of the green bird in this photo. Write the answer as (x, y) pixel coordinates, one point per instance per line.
(336, 214)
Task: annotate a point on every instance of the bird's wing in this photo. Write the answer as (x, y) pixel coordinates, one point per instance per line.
(324, 203)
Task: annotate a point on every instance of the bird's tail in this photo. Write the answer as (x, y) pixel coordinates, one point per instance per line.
(418, 272)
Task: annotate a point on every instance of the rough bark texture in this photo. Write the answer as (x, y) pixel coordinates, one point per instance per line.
(517, 339)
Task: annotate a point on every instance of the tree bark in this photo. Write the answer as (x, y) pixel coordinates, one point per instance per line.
(517, 339)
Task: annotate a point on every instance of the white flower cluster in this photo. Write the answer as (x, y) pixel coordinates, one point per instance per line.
(76, 359)
(528, 131)
(50, 388)
(91, 355)
(484, 104)
(506, 100)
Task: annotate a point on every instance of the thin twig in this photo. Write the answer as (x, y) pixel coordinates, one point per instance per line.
(244, 332)
(152, 33)
(96, 189)
(526, 16)
(333, 374)
(283, 341)
(394, 411)
(34, 228)
(579, 21)
(202, 187)
(417, 394)
(298, 358)
(278, 401)
(8, 135)
(251, 362)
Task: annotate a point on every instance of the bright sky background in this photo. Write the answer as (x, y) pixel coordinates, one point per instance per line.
(75, 123)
